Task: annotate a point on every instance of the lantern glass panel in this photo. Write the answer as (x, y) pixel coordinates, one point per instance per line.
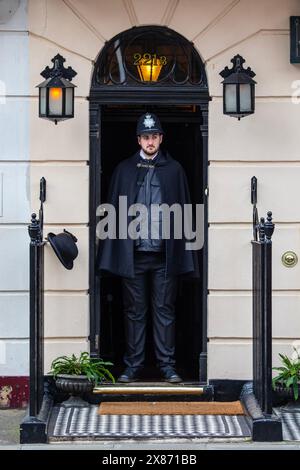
(245, 98)
(55, 101)
(230, 99)
(43, 98)
(69, 101)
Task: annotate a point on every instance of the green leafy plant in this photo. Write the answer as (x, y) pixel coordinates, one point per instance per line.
(95, 369)
(289, 373)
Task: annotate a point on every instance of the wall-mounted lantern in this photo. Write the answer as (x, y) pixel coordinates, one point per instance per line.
(238, 89)
(56, 93)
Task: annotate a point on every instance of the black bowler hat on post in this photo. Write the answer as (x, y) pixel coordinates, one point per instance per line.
(149, 124)
(64, 246)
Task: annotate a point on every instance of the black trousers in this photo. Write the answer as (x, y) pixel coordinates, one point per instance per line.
(148, 291)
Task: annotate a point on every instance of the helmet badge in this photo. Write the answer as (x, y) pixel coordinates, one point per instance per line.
(149, 121)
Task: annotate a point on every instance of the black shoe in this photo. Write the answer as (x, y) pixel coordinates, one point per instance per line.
(129, 375)
(170, 375)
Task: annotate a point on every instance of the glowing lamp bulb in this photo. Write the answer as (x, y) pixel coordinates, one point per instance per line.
(55, 93)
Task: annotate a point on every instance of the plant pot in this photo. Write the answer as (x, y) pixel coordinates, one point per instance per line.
(76, 385)
(287, 394)
(291, 407)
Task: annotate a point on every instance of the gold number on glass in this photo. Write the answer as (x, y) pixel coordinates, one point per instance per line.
(149, 59)
(137, 57)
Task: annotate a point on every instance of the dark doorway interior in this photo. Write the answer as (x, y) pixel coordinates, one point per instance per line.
(183, 141)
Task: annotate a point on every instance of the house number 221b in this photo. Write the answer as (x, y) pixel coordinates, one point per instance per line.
(149, 59)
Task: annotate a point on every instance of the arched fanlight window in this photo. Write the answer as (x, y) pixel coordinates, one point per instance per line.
(150, 56)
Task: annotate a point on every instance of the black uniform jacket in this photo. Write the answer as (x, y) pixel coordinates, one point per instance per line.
(117, 255)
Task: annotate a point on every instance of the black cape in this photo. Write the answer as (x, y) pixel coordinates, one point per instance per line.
(117, 255)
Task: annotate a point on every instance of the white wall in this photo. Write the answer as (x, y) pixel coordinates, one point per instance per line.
(14, 193)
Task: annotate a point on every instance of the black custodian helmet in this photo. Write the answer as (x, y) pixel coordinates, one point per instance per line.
(148, 124)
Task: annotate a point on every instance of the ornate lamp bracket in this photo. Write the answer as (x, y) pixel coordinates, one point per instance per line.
(58, 69)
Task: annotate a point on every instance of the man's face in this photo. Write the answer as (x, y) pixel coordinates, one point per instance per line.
(150, 143)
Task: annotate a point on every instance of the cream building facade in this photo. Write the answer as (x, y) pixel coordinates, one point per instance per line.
(264, 144)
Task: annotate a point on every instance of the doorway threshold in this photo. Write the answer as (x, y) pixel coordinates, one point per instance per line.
(150, 387)
(153, 390)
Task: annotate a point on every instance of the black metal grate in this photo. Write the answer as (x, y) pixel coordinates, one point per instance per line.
(119, 61)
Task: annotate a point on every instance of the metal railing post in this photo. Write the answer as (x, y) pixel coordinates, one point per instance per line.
(262, 305)
(33, 428)
(256, 396)
(36, 312)
(36, 307)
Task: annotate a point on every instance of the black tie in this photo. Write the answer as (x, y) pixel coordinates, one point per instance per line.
(144, 166)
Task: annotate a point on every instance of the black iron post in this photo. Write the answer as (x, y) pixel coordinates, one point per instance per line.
(256, 396)
(262, 306)
(254, 202)
(36, 263)
(262, 314)
(33, 428)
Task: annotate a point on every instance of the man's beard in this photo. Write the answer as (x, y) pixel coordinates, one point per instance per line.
(150, 152)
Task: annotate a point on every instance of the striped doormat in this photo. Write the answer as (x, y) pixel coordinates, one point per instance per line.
(86, 423)
(290, 422)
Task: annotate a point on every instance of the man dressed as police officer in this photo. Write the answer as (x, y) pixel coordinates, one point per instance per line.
(149, 267)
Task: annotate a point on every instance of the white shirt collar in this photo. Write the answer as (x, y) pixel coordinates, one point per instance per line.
(146, 157)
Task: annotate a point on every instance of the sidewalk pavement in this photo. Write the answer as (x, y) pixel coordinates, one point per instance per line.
(9, 426)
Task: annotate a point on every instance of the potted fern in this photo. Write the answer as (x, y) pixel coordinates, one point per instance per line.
(78, 375)
(287, 382)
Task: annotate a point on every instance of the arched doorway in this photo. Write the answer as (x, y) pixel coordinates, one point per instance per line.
(148, 69)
